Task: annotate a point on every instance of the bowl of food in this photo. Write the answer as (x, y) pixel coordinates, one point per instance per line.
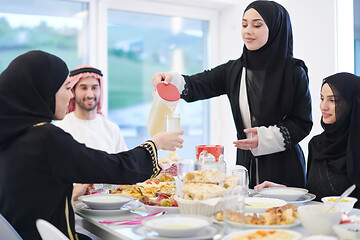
(345, 204)
(260, 205)
(263, 234)
(105, 201)
(284, 193)
(177, 225)
(316, 219)
(347, 230)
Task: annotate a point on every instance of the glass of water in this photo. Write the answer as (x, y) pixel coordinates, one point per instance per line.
(172, 122)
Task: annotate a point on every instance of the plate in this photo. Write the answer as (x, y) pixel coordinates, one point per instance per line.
(232, 235)
(306, 198)
(285, 193)
(260, 204)
(155, 209)
(83, 208)
(251, 192)
(206, 233)
(177, 225)
(252, 226)
(105, 201)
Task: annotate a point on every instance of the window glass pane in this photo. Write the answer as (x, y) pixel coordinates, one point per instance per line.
(357, 35)
(140, 45)
(58, 27)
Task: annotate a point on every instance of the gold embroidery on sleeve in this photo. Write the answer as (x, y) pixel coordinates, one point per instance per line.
(151, 148)
(39, 124)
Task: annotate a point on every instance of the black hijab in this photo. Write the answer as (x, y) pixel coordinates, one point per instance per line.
(339, 145)
(275, 60)
(27, 92)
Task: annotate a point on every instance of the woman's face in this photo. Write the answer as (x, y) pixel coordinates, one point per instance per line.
(62, 98)
(327, 104)
(254, 31)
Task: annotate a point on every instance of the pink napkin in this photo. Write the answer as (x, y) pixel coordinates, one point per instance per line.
(131, 220)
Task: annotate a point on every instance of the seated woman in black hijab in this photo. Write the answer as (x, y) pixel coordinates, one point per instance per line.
(334, 155)
(39, 162)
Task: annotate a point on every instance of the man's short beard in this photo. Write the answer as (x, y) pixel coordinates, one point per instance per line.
(82, 106)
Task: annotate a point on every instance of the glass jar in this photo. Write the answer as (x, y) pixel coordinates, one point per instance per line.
(211, 156)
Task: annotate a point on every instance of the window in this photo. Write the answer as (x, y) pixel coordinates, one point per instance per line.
(58, 27)
(140, 44)
(357, 36)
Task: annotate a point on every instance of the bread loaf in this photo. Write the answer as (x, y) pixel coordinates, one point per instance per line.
(213, 176)
(202, 191)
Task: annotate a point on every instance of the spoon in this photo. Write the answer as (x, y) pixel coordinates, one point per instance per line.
(344, 195)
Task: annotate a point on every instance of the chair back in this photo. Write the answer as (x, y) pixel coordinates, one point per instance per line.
(48, 231)
(7, 231)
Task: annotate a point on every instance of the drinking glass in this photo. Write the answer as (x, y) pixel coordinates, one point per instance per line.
(172, 122)
(243, 178)
(183, 167)
(234, 202)
(234, 210)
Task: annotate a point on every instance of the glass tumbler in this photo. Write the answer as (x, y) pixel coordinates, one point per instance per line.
(172, 122)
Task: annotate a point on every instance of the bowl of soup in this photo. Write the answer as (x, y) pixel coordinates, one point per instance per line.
(284, 193)
(260, 205)
(177, 225)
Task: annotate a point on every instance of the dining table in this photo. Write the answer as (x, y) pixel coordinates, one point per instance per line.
(101, 224)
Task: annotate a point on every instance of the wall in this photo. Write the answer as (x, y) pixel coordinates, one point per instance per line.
(314, 33)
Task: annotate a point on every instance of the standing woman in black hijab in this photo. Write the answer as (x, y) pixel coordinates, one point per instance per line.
(39, 162)
(334, 155)
(268, 92)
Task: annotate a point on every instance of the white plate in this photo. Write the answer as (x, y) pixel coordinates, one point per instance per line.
(177, 225)
(270, 202)
(155, 209)
(306, 198)
(252, 226)
(206, 233)
(285, 193)
(232, 235)
(83, 208)
(105, 201)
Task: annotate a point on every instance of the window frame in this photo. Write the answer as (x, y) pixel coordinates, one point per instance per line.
(151, 7)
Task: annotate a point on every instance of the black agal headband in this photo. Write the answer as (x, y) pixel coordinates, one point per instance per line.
(84, 70)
